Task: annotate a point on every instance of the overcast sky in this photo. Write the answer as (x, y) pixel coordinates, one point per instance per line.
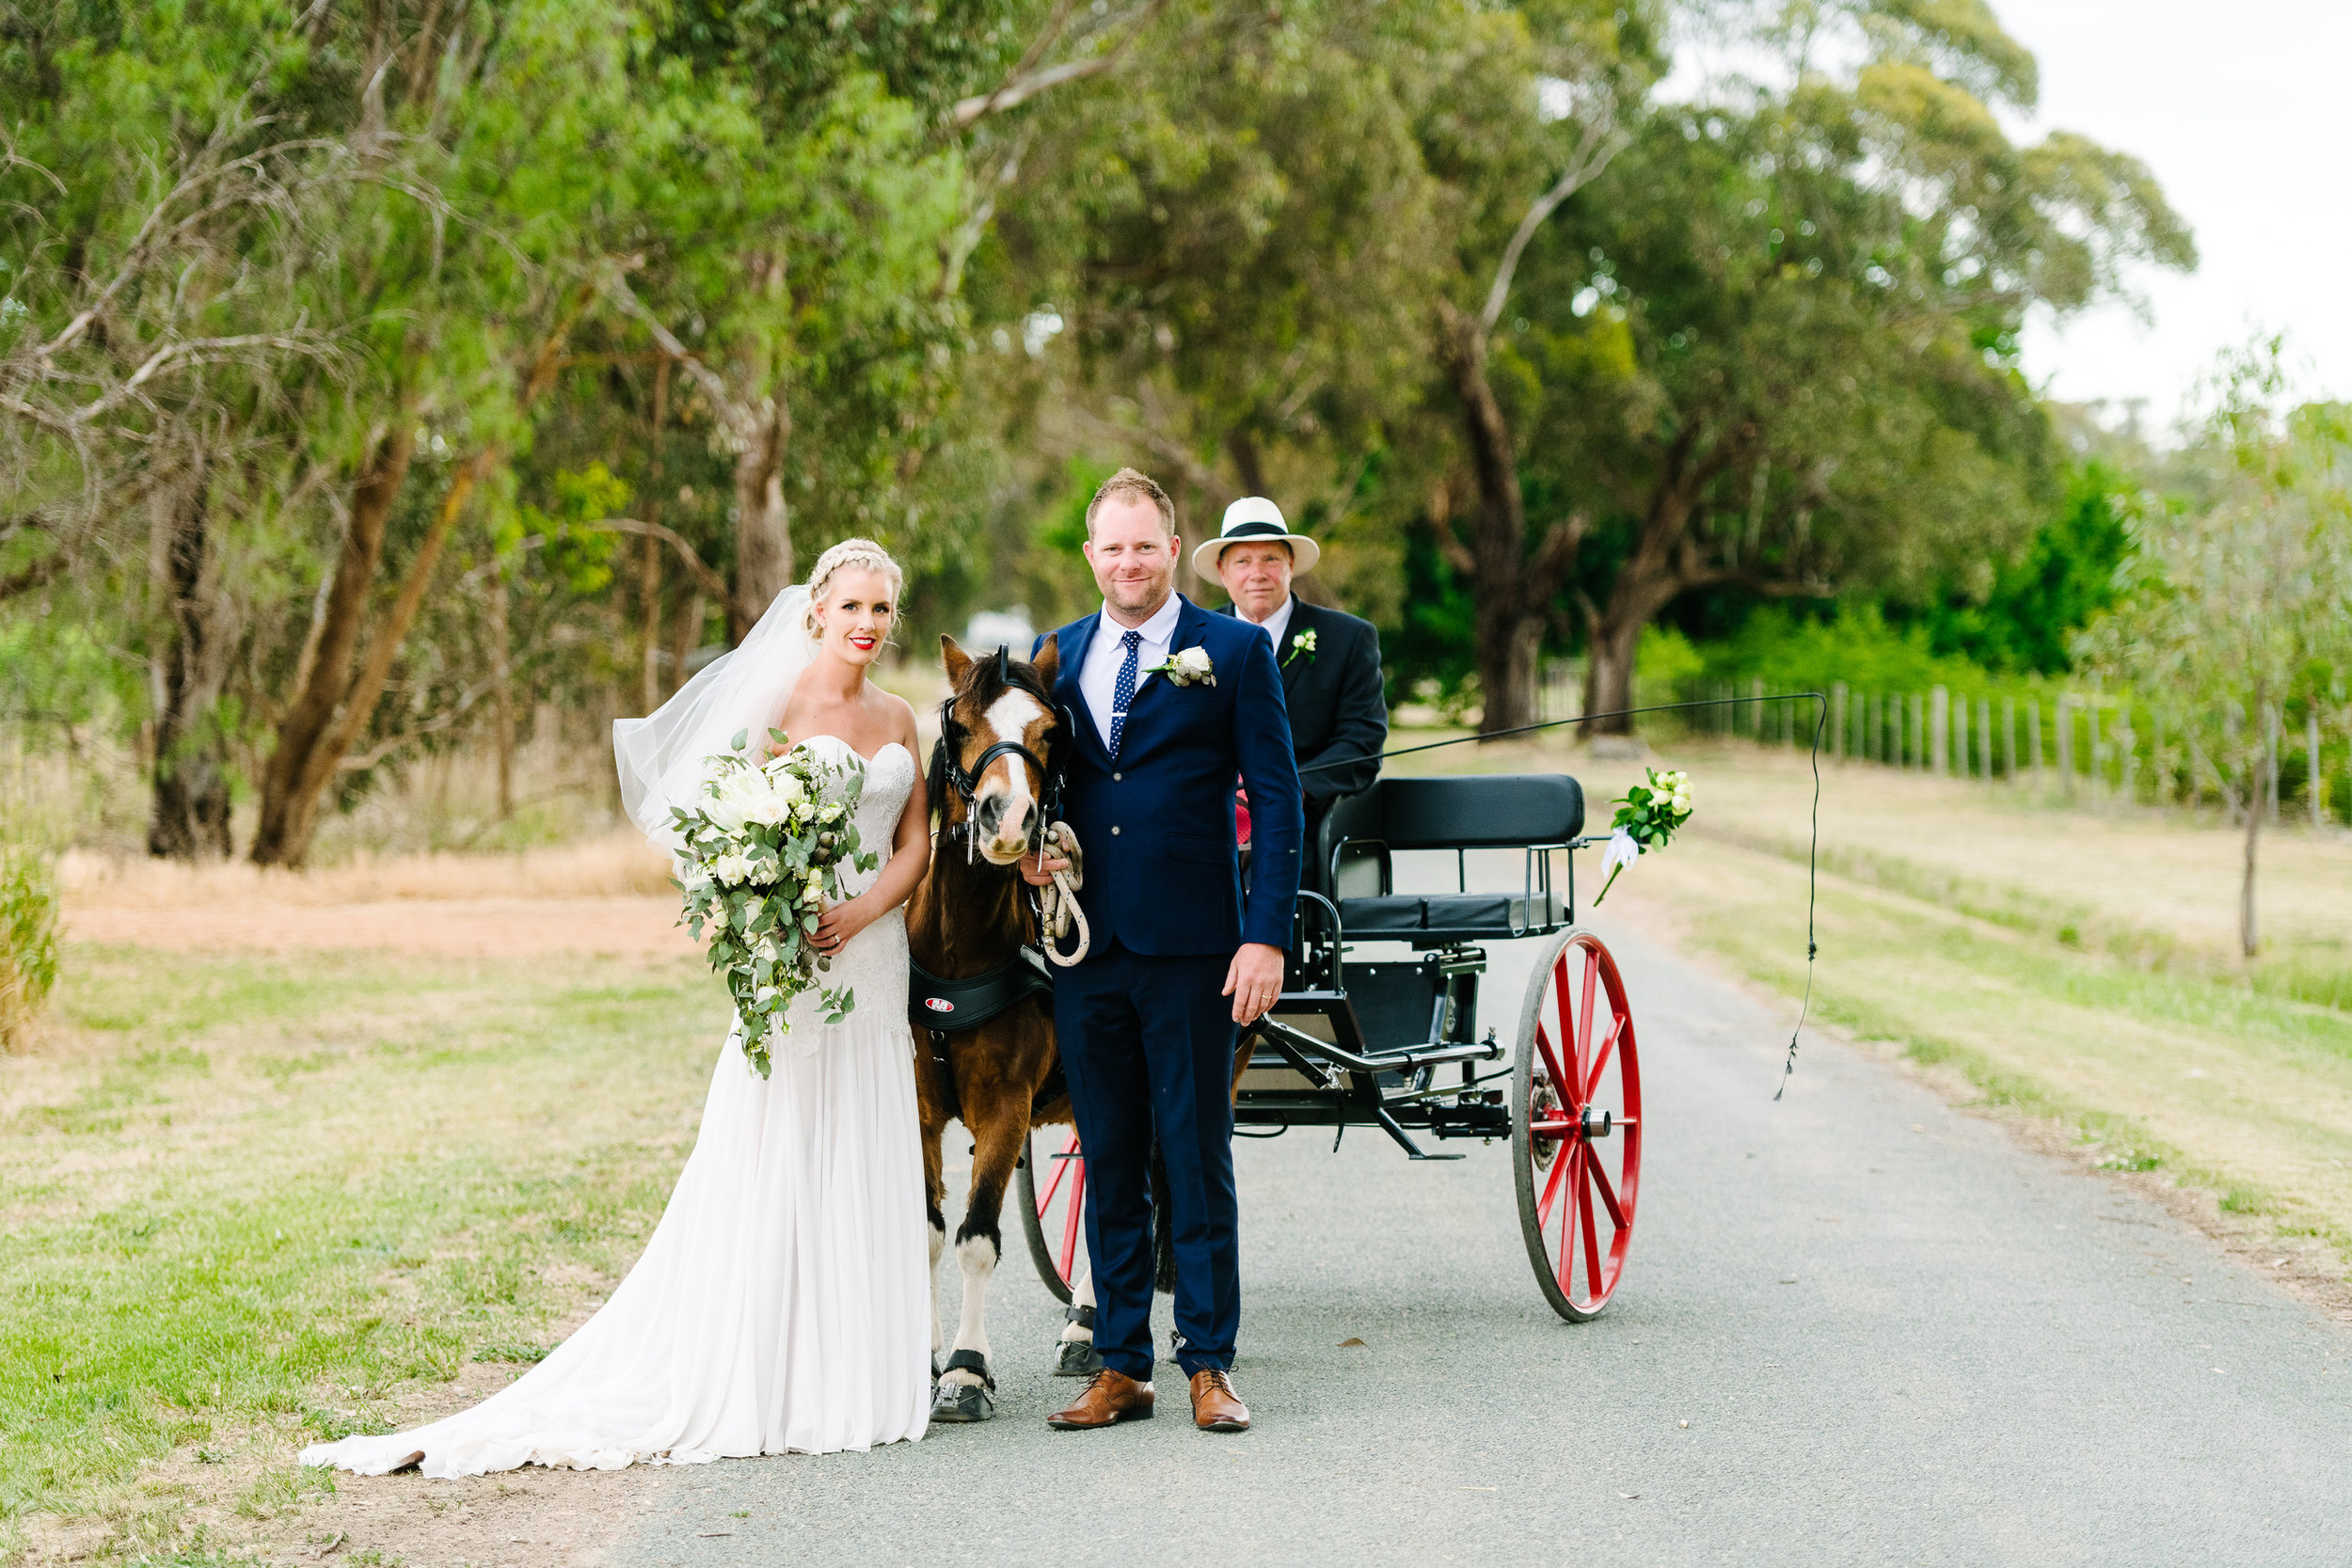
(2243, 112)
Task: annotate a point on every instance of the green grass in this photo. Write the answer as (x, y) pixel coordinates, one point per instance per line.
(2226, 1086)
(244, 1199)
(2311, 970)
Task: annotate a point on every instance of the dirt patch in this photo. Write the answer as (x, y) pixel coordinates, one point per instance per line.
(483, 927)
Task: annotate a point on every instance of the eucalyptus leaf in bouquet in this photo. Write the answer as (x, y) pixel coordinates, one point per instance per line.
(766, 845)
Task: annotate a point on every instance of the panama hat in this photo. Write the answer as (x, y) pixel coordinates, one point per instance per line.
(1254, 517)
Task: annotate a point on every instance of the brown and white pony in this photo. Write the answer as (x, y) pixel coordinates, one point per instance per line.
(991, 775)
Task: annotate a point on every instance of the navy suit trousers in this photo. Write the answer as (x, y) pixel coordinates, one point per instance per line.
(1146, 1045)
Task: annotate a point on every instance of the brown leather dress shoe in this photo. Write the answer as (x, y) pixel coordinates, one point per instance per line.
(1108, 1398)
(1215, 1406)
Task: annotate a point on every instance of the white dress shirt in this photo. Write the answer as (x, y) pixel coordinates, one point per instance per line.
(1099, 675)
(1276, 625)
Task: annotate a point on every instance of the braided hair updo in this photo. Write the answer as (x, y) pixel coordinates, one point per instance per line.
(858, 554)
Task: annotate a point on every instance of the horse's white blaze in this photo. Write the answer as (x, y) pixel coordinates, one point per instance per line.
(977, 1255)
(1010, 717)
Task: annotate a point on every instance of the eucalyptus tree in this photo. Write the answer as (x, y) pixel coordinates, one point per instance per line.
(157, 214)
(1237, 246)
(1776, 344)
(1532, 111)
(2238, 606)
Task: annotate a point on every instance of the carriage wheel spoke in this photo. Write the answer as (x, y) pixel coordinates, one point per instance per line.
(1553, 1185)
(1565, 1264)
(1608, 1194)
(1561, 1084)
(1583, 1042)
(1592, 1242)
(1600, 1057)
(1045, 1194)
(1072, 1221)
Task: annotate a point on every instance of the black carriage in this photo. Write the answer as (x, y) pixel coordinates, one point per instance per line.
(1395, 1046)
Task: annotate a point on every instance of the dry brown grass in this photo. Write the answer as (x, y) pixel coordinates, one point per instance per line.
(609, 894)
(616, 865)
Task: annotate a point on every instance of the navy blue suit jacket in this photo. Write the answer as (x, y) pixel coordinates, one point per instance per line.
(1162, 874)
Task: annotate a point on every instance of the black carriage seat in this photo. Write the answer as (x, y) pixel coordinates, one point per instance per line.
(1496, 811)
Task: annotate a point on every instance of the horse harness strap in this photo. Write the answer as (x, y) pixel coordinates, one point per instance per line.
(951, 1006)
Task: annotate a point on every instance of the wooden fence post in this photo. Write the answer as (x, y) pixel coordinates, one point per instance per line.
(1939, 730)
(2066, 745)
(1838, 720)
(2313, 779)
(2033, 738)
(2009, 738)
(1984, 738)
(2127, 738)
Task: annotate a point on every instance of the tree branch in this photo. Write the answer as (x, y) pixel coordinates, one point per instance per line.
(704, 579)
(1025, 84)
(1600, 142)
(1555, 556)
(378, 667)
(39, 573)
(740, 421)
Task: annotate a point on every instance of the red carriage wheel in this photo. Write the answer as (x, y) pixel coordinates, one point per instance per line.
(1576, 1124)
(1054, 1208)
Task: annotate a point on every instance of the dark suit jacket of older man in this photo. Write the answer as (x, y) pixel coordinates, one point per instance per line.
(1332, 690)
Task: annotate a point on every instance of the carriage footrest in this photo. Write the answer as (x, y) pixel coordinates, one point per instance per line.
(1451, 916)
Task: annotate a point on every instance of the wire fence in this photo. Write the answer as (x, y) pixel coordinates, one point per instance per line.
(2085, 745)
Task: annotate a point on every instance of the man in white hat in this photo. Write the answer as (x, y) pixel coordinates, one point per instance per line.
(1330, 661)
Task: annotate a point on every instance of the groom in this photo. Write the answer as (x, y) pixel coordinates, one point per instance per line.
(1169, 704)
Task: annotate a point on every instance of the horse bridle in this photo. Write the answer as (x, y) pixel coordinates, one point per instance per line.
(966, 781)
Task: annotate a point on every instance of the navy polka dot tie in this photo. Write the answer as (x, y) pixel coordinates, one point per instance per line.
(1123, 690)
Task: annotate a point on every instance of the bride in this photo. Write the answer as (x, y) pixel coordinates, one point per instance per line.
(784, 1301)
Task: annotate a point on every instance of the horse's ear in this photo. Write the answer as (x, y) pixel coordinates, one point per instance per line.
(956, 659)
(1048, 661)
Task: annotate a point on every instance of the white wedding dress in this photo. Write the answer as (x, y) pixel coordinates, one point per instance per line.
(784, 1303)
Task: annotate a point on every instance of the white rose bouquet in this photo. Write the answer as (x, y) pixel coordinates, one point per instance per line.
(766, 844)
(1648, 817)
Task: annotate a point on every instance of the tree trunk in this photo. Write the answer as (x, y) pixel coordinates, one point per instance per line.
(190, 810)
(284, 831)
(290, 804)
(1609, 672)
(686, 638)
(1511, 591)
(1644, 587)
(1247, 462)
(763, 529)
(649, 607)
(649, 563)
(2248, 933)
(503, 689)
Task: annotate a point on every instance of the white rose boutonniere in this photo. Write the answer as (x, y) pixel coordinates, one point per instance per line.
(1190, 667)
(1302, 643)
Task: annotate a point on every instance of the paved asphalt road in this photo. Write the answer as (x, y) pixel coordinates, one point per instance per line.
(1895, 1336)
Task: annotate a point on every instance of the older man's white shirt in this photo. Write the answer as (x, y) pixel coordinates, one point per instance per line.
(1276, 625)
(1098, 677)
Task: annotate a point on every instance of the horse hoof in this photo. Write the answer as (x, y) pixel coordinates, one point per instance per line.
(1076, 1358)
(959, 1403)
